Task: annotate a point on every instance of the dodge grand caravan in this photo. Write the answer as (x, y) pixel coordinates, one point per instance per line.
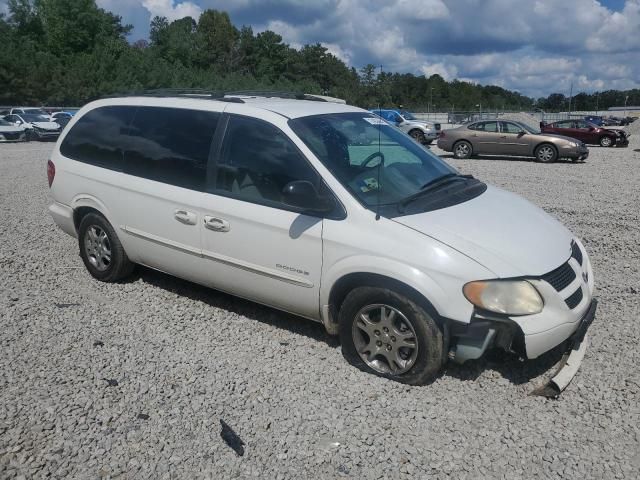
(322, 210)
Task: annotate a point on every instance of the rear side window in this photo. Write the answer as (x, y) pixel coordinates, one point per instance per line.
(170, 145)
(98, 137)
(485, 126)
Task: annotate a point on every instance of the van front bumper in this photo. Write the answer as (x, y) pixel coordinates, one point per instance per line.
(569, 307)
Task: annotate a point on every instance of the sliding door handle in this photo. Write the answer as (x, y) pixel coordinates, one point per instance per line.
(188, 218)
(216, 224)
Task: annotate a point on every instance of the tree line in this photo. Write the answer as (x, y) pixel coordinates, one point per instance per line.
(67, 52)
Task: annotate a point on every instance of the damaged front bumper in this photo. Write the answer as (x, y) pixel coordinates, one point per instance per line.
(471, 341)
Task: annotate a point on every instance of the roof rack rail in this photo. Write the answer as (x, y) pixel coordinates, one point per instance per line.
(180, 92)
(233, 97)
(274, 94)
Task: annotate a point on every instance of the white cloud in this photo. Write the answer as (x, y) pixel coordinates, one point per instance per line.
(166, 8)
(533, 46)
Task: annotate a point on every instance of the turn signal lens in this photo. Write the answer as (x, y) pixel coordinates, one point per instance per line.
(509, 297)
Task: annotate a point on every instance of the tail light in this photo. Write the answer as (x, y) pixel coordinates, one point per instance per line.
(51, 172)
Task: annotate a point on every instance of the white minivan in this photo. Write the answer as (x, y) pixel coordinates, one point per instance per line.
(325, 211)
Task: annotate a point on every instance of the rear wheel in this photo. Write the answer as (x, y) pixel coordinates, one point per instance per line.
(418, 136)
(546, 153)
(387, 334)
(606, 141)
(101, 250)
(462, 149)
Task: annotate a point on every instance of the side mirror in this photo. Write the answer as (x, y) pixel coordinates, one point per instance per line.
(302, 194)
(18, 122)
(591, 129)
(521, 133)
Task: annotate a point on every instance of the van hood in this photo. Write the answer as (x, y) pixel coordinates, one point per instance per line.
(500, 230)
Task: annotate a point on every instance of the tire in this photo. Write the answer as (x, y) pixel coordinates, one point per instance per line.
(31, 135)
(418, 136)
(546, 153)
(420, 357)
(462, 149)
(606, 142)
(101, 250)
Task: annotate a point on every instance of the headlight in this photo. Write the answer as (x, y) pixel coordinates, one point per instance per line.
(511, 297)
(573, 144)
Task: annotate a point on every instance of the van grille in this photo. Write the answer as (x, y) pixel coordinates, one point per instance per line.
(561, 277)
(574, 299)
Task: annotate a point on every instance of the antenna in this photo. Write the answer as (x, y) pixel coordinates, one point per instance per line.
(381, 163)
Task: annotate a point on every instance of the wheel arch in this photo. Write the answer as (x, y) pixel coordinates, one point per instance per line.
(84, 204)
(346, 283)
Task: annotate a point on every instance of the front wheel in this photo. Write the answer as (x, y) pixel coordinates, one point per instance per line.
(101, 250)
(606, 142)
(387, 334)
(546, 153)
(418, 136)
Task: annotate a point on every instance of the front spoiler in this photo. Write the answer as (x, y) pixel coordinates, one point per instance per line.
(571, 360)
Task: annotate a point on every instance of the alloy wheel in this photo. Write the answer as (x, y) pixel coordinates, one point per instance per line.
(462, 150)
(546, 154)
(385, 339)
(97, 247)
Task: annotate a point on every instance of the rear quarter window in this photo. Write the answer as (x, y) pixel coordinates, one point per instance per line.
(98, 137)
(170, 145)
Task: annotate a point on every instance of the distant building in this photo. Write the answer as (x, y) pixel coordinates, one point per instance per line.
(630, 109)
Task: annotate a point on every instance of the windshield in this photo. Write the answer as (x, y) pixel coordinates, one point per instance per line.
(407, 115)
(352, 145)
(30, 117)
(33, 111)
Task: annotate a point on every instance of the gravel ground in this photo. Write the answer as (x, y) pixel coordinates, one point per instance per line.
(132, 380)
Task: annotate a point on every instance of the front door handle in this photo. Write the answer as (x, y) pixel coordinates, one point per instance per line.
(216, 224)
(188, 218)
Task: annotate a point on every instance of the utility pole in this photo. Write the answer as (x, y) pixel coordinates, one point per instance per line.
(597, 98)
(431, 107)
(570, 97)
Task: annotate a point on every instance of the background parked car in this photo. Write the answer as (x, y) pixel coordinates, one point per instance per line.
(37, 127)
(28, 110)
(11, 133)
(587, 132)
(507, 137)
(61, 118)
(421, 131)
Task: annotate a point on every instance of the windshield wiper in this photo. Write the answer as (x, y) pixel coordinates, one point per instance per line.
(430, 186)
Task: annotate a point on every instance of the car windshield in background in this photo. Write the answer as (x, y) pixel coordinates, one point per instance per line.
(407, 115)
(34, 111)
(29, 117)
(352, 146)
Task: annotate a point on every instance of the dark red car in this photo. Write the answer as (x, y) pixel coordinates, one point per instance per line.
(587, 132)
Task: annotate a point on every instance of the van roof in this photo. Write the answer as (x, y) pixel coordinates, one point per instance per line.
(291, 108)
(286, 104)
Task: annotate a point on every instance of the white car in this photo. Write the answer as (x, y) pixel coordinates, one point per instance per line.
(326, 211)
(421, 131)
(11, 133)
(37, 127)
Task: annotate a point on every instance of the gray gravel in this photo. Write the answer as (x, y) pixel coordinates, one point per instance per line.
(131, 380)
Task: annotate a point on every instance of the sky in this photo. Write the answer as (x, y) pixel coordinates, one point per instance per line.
(536, 47)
